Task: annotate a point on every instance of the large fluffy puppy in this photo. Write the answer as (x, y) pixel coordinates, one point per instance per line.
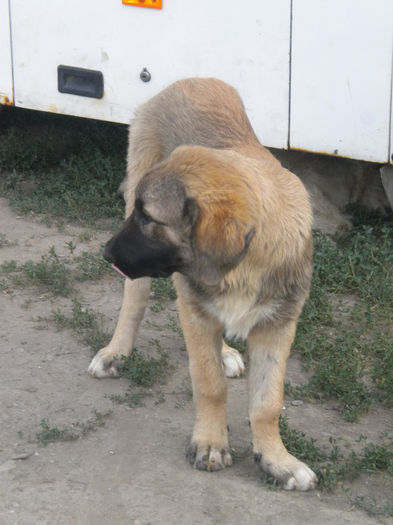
(207, 203)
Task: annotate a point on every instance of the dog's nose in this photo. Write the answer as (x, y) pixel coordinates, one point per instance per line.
(107, 253)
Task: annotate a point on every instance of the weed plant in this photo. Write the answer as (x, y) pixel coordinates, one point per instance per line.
(48, 434)
(74, 165)
(91, 266)
(85, 324)
(163, 290)
(131, 398)
(56, 274)
(50, 274)
(346, 348)
(332, 465)
(145, 372)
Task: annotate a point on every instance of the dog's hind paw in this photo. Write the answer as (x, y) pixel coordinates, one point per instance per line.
(232, 361)
(102, 366)
(208, 458)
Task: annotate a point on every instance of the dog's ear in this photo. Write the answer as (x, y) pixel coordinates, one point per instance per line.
(221, 240)
(190, 212)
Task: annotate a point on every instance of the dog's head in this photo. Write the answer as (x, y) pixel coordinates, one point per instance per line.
(190, 216)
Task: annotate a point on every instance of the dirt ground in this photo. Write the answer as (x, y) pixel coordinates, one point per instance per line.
(132, 470)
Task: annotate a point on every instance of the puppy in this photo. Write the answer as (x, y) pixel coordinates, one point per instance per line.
(208, 205)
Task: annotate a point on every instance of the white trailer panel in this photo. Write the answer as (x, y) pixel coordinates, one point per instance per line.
(391, 123)
(246, 45)
(6, 92)
(341, 77)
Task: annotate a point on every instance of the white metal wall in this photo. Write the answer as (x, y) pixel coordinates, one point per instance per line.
(341, 52)
(391, 121)
(246, 45)
(6, 94)
(341, 77)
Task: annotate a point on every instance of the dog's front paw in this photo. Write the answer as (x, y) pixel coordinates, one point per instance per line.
(208, 458)
(233, 362)
(291, 473)
(102, 365)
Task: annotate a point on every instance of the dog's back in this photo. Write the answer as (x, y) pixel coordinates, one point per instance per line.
(202, 109)
(194, 111)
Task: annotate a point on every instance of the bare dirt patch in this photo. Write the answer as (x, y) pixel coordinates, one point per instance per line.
(132, 468)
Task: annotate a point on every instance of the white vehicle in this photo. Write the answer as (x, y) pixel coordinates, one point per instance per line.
(314, 74)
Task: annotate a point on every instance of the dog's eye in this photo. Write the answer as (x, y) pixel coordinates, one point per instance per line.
(144, 217)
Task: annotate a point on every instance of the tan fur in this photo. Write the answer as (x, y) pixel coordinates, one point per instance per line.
(250, 268)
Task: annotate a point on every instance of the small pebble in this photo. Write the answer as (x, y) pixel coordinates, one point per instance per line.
(296, 402)
(23, 455)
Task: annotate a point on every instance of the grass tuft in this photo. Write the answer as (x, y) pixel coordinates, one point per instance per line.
(332, 465)
(85, 324)
(62, 166)
(50, 274)
(350, 350)
(49, 434)
(142, 371)
(91, 266)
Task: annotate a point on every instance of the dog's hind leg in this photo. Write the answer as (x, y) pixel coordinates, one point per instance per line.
(135, 299)
(268, 351)
(232, 361)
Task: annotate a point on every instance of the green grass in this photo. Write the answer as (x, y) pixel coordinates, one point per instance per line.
(182, 394)
(372, 507)
(162, 291)
(50, 274)
(73, 167)
(360, 263)
(332, 464)
(4, 241)
(91, 266)
(131, 398)
(51, 434)
(350, 350)
(239, 345)
(56, 274)
(85, 324)
(145, 372)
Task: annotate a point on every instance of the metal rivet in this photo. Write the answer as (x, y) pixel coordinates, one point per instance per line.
(145, 76)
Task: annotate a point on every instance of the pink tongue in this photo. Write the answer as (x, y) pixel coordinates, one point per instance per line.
(120, 272)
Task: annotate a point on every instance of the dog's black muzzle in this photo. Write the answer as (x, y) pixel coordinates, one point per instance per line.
(136, 255)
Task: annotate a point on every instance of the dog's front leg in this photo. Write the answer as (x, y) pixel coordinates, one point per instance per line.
(135, 298)
(268, 351)
(209, 449)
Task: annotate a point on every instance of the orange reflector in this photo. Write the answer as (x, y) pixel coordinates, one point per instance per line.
(156, 4)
